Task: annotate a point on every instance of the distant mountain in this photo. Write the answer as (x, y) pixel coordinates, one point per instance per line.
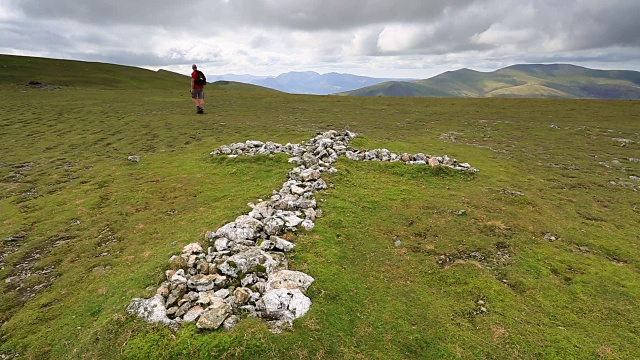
(525, 81)
(245, 78)
(307, 82)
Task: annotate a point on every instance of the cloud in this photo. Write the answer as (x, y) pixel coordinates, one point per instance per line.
(127, 12)
(299, 34)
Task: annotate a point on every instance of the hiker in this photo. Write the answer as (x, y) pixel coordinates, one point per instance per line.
(198, 82)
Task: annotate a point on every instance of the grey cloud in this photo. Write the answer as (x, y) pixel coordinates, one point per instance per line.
(157, 12)
(455, 32)
(291, 14)
(589, 56)
(260, 41)
(576, 23)
(30, 38)
(579, 23)
(338, 14)
(131, 58)
(87, 45)
(366, 42)
(121, 31)
(616, 24)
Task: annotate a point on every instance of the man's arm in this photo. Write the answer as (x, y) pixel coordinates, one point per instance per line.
(192, 83)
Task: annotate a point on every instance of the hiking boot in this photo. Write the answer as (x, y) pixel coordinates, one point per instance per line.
(199, 110)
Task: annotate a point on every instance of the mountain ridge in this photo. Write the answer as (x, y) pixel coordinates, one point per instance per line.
(308, 82)
(520, 80)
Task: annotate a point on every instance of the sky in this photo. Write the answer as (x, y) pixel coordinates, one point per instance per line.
(380, 38)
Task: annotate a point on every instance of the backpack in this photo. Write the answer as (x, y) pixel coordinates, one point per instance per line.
(201, 80)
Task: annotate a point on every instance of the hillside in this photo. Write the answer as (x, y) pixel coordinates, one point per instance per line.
(71, 73)
(235, 85)
(525, 81)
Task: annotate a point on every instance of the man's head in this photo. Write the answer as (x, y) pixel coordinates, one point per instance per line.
(194, 67)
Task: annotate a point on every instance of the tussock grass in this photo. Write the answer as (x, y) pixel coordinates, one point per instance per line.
(71, 202)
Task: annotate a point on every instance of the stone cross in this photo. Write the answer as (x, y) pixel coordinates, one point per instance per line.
(244, 272)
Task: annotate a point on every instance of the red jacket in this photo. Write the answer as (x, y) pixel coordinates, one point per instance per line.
(194, 76)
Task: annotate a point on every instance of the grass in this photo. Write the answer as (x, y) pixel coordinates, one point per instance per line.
(93, 230)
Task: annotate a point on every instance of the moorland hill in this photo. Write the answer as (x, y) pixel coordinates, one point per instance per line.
(21, 70)
(521, 81)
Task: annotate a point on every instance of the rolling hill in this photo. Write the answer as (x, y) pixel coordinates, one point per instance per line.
(236, 85)
(71, 73)
(524, 81)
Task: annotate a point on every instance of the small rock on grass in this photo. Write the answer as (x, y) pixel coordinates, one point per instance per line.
(214, 316)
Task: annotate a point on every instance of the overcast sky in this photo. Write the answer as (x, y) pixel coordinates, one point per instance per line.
(380, 38)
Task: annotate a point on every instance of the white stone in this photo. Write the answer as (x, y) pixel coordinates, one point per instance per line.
(289, 279)
(193, 314)
(297, 190)
(222, 244)
(292, 221)
(308, 225)
(202, 282)
(193, 248)
(152, 310)
(222, 293)
(231, 322)
(284, 304)
(273, 225)
(282, 244)
(214, 315)
(179, 276)
(310, 174)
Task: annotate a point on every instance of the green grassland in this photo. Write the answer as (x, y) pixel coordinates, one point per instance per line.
(70, 73)
(84, 230)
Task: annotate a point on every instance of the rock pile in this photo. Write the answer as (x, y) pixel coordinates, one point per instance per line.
(41, 85)
(244, 272)
(329, 146)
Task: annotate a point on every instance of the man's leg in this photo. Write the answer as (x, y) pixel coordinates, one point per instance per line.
(201, 100)
(195, 100)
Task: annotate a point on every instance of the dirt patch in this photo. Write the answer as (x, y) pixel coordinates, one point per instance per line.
(605, 352)
(18, 173)
(495, 260)
(26, 281)
(498, 332)
(500, 256)
(34, 84)
(27, 277)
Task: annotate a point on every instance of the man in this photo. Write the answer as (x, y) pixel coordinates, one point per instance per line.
(197, 91)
